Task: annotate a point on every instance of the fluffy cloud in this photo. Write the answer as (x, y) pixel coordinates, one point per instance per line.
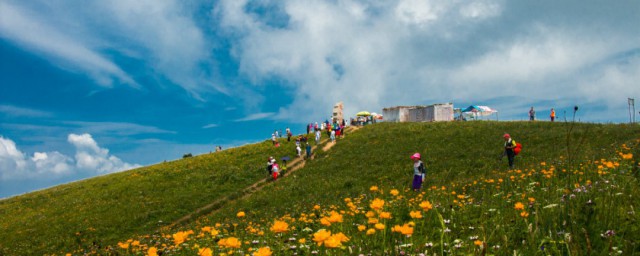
(88, 38)
(375, 54)
(90, 159)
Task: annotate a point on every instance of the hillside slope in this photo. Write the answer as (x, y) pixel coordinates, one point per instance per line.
(71, 218)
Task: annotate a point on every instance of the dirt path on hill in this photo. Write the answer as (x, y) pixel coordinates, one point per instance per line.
(296, 164)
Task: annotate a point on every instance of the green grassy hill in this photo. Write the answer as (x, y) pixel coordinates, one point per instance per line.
(574, 191)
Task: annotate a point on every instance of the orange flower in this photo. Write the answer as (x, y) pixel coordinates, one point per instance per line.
(152, 251)
(205, 252)
(371, 231)
(340, 236)
(302, 240)
(519, 206)
(394, 192)
(335, 217)
(377, 204)
(230, 242)
(373, 188)
(332, 242)
(379, 226)
(385, 215)
(362, 227)
(240, 214)
(181, 236)
(320, 236)
(416, 214)
(404, 229)
(123, 245)
(264, 251)
(325, 222)
(524, 214)
(426, 206)
(280, 227)
(477, 242)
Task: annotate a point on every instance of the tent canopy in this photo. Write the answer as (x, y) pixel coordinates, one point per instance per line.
(479, 110)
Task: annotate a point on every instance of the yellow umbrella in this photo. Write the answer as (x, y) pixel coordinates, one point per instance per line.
(363, 113)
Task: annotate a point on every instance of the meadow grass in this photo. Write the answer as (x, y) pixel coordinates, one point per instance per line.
(98, 212)
(572, 193)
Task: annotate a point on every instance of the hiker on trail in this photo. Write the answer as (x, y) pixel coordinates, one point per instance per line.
(333, 135)
(553, 114)
(532, 114)
(288, 131)
(318, 134)
(276, 133)
(308, 148)
(298, 151)
(276, 170)
(316, 127)
(509, 146)
(418, 172)
(270, 162)
(273, 138)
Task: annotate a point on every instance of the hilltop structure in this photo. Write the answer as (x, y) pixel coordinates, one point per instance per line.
(337, 112)
(430, 113)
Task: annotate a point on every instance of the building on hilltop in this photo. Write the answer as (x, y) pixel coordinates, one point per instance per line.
(337, 112)
(430, 113)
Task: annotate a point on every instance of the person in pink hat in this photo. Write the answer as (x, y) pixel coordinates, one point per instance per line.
(509, 146)
(418, 171)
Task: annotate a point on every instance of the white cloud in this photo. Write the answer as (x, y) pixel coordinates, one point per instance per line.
(210, 126)
(29, 30)
(256, 116)
(374, 55)
(15, 111)
(82, 38)
(89, 160)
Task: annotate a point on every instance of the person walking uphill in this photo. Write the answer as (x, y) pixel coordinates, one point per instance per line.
(509, 146)
(418, 172)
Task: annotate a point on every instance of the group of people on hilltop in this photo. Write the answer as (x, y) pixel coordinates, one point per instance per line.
(334, 129)
(532, 114)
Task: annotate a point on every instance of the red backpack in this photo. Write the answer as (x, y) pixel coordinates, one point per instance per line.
(517, 149)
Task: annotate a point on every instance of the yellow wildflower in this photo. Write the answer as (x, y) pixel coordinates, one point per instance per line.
(240, 214)
(320, 236)
(335, 217)
(371, 231)
(205, 252)
(373, 188)
(280, 227)
(404, 229)
(519, 206)
(264, 251)
(362, 227)
(379, 226)
(152, 251)
(416, 214)
(377, 204)
(426, 206)
(394, 192)
(385, 215)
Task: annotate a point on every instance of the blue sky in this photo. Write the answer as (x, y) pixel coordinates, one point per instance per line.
(94, 87)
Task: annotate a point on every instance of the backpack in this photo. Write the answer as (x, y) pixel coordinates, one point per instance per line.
(517, 149)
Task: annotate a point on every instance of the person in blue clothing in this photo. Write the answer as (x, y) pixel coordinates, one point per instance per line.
(418, 172)
(308, 148)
